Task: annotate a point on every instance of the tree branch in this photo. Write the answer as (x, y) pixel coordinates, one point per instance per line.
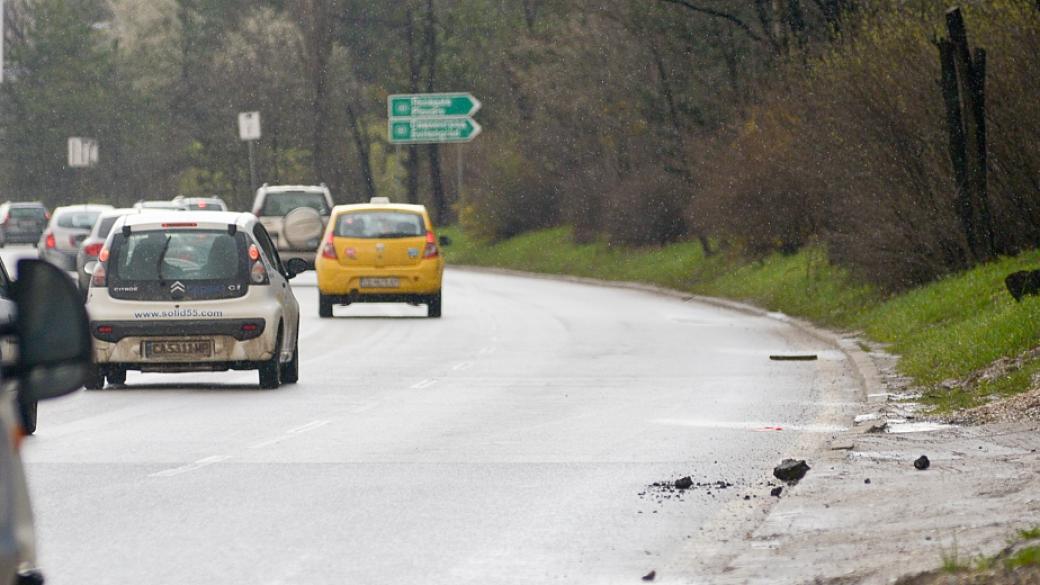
(718, 14)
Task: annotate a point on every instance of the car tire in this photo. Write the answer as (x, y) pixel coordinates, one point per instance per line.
(324, 306)
(27, 413)
(95, 379)
(291, 370)
(433, 306)
(271, 370)
(116, 376)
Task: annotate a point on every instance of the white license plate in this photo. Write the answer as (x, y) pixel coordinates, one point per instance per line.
(178, 348)
(380, 282)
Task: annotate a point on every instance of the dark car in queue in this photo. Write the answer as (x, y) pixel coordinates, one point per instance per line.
(68, 227)
(22, 222)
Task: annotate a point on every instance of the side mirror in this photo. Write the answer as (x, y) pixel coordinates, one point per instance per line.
(445, 240)
(55, 351)
(295, 266)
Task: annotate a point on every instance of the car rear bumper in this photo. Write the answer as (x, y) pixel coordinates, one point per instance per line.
(232, 347)
(335, 279)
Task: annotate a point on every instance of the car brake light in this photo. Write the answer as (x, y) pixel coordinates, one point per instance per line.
(329, 249)
(431, 250)
(104, 329)
(50, 242)
(249, 327)
(258, 274)
(99, 278)
(254, 252)
(93, 250)
(103, 255)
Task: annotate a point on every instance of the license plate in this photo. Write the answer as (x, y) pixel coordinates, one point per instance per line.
(380, 282)
(178, 348)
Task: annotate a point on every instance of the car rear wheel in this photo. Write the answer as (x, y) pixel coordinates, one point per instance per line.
(324, 306)
(95, 379)
(271, 370)
(291, 370)
(27, 412)
(116, 376)
(433, 306)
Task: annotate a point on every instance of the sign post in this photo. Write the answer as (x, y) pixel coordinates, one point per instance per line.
(249, 131)
(83, 152)
(433, 118)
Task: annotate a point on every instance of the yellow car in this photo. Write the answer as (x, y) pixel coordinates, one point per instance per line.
(380, 252)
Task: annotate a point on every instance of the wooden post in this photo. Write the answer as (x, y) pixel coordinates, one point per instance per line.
(963, 88)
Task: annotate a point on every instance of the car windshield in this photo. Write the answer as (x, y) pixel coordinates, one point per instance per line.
(178, 255)
(78, 219)
(283, 202)
(28, 213)
(380, 224)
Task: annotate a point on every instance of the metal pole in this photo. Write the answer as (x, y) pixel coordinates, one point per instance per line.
(252, 168)
(458, 172)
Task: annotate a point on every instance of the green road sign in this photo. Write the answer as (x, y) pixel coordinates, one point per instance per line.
(430, 130)
(432, 105)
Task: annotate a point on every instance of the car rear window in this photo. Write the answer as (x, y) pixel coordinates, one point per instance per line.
(210, 263)
(77, 219)
(28, 213)
(380, 224)
(283, 202)
(105, 225)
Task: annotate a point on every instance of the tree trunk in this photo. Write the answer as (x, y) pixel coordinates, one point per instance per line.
(317, 19)
(364, 158)
(414, 74)
(439, 201)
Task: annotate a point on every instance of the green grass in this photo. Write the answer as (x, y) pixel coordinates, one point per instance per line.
(943, 330)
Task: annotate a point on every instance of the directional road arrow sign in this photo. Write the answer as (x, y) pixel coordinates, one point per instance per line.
(430, 130)
(432, 105)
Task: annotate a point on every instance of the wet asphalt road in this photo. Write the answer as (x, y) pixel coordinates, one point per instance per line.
(508, 442)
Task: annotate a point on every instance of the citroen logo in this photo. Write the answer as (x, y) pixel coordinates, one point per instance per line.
(177, 287)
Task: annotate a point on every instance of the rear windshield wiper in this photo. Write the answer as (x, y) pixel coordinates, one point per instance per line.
(162, 256)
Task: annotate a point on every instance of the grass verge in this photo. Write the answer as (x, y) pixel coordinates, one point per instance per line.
(944, 330)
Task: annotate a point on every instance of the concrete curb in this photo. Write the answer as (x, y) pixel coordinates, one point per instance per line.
(866, 370)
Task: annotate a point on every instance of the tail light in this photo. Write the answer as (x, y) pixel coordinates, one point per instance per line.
(50, 243)
(104, 329)
(249, 327)
(431, 250)
(329, 249)
(258, 274)
(93, 250)
(99, 279)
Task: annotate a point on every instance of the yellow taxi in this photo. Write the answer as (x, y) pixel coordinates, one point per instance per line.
(380, 252)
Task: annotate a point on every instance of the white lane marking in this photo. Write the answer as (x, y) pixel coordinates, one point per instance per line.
(424, 384)
(191, 466)
(317, 424)
(462, 366)
(749, 425)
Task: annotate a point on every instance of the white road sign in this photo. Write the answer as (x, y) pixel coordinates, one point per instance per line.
(83, 152)
(249, 125)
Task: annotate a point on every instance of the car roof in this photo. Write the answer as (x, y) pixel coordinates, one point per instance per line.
(282, 188)
(25, 204)
(82, 207)
(421, 209)
(203, 219)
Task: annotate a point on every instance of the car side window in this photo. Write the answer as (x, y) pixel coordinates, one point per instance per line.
(268, 247)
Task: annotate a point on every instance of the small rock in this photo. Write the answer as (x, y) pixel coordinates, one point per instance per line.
(650, 576)
(775, 492)
(922, 463)
(866, 481)
(791, 470)
(878, 428)
(747, 497)
(684, 483)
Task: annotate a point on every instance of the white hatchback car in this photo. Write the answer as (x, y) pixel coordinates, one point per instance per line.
(193, 291)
